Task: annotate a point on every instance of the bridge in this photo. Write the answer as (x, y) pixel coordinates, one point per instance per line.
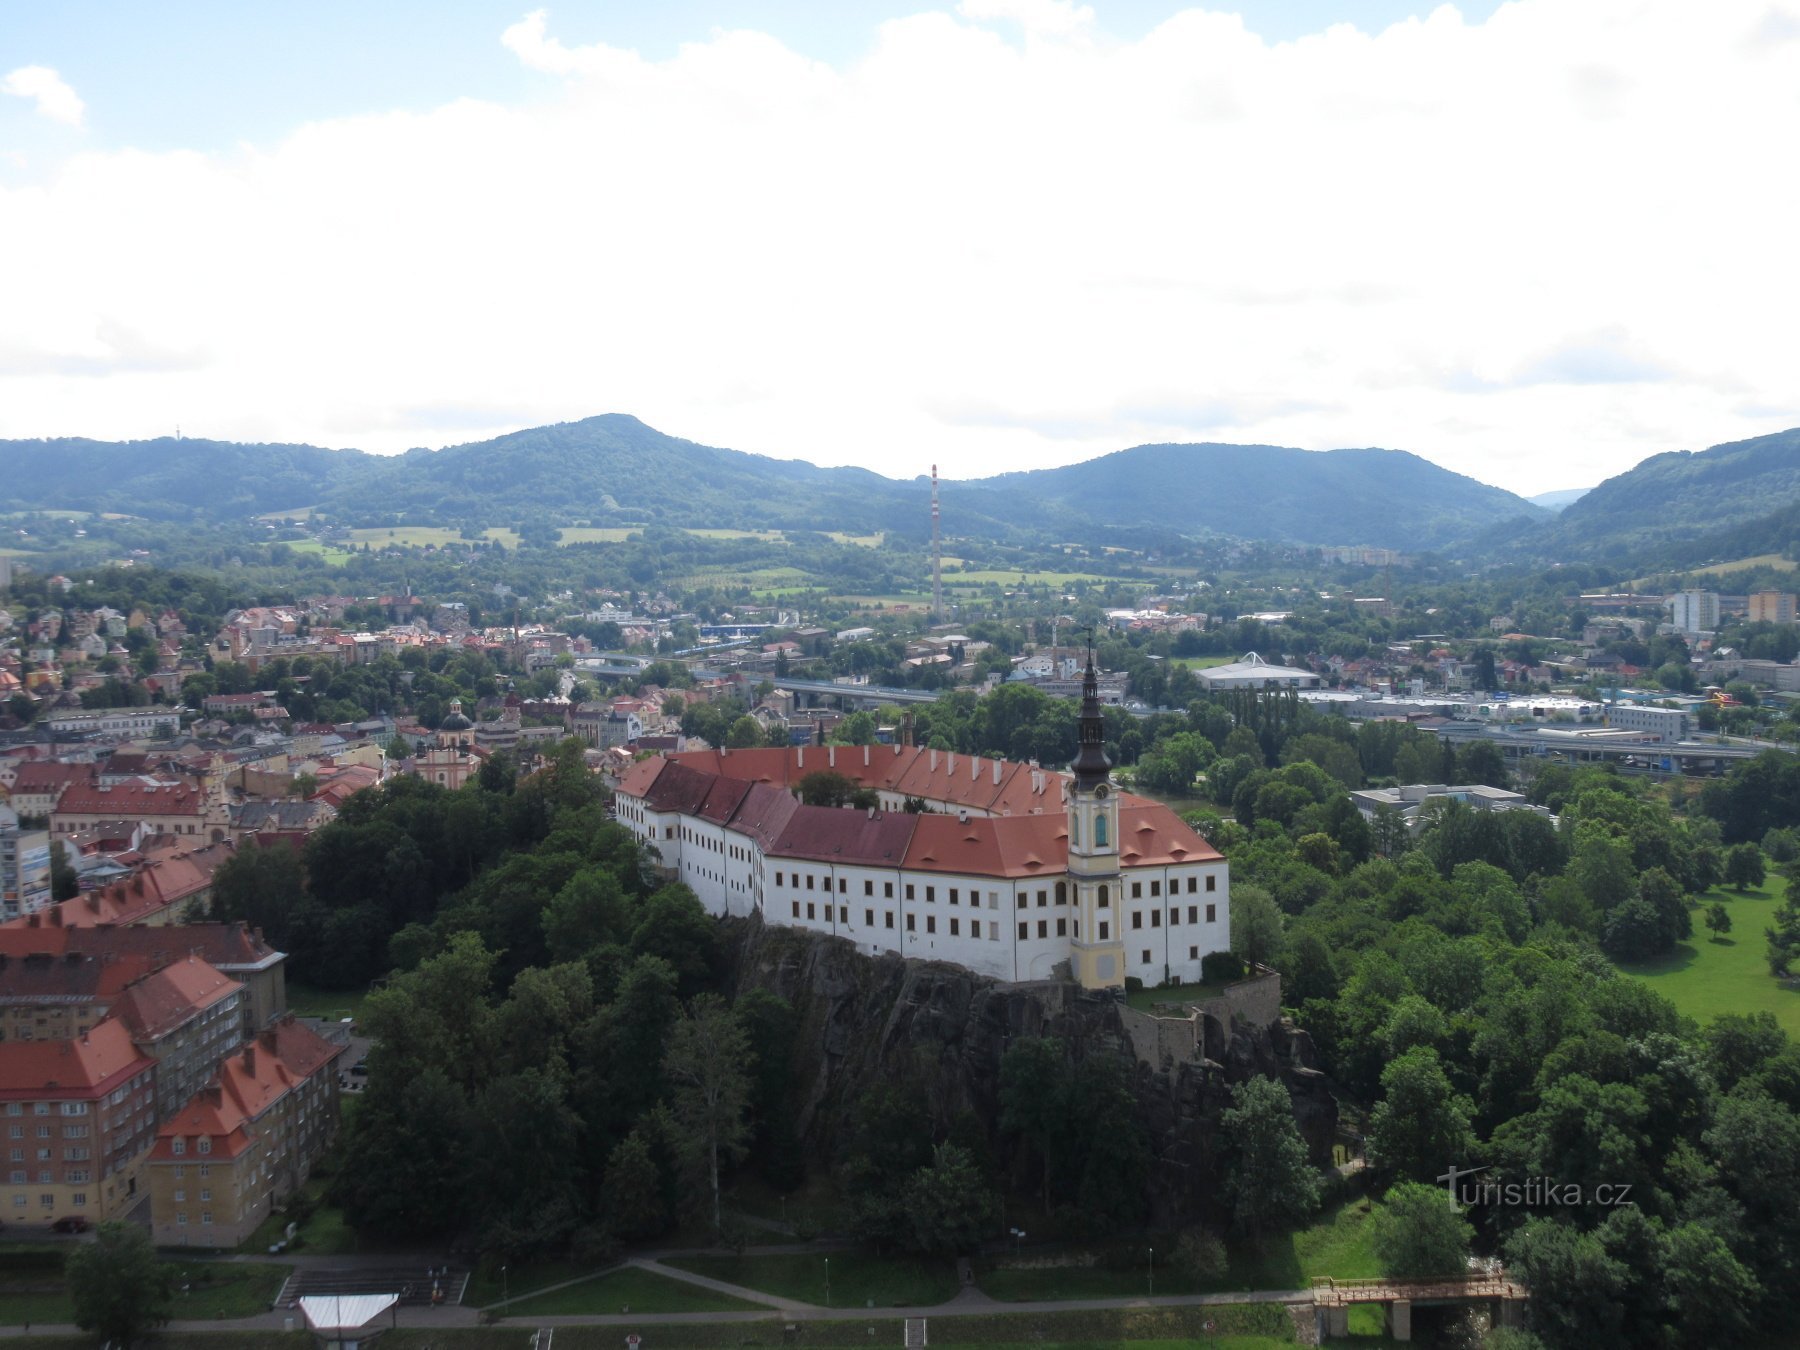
(1333, 1299)
(866, 695)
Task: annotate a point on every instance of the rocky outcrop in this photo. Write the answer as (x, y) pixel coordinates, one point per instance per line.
(864, 1020)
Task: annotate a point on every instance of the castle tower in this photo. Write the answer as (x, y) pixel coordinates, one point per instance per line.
(1097, 953)
(455, 732)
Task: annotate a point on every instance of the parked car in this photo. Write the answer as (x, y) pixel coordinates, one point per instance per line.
(73, 1223)
(360, 1069)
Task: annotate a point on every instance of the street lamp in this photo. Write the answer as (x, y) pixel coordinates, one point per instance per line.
(1152, 1272)
(505, 1292)
(1018, 1237)
(828, 1282)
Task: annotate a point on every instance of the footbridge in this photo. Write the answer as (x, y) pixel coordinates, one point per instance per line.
(1333, 1299)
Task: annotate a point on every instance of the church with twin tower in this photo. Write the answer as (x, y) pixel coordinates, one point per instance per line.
(1011, 870)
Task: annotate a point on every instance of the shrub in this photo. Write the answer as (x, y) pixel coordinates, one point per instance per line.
(1221, 967)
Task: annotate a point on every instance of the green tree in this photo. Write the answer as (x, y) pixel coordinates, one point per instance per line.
(118, 1288)
(631, 1195)
(708, 1065)
(1744, 866)
(1575, 1286)
(1256, 924)
(1268, 1179)
(1418, 1231)
(1718, 919)
(744, 733)
(1421, 1125)
(949, 1205)
(1032, 1106)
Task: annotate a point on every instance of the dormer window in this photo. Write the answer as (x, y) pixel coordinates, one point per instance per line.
(204, 1145)
(179, 1147)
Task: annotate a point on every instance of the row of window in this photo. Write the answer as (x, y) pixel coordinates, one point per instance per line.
(1193, 916)
(47, 1109)
(46, 1200)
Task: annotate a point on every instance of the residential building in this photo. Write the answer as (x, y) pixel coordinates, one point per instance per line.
(124, 722)
(1694, 611)
(178, 808)
(39, 784)
(79, 1116)
(45, 997)
(186, 1016)
(1773, 607)
(245, 1140)
(1012, 871)
(24, 866)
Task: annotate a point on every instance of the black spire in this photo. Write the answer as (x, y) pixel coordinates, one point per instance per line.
(1092, 767)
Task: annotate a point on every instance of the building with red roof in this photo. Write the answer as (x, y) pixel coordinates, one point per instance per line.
(186, 1016)
(79, 1122)
(1011, 870)
(245, 1140)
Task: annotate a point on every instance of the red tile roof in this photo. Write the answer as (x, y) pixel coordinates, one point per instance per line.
(164, 1000)
(84, 1066)
(249, 1082)
(131, 800)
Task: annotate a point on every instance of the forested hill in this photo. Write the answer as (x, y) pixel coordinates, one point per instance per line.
(1737, 499)
(615, 471)
(1385, 498)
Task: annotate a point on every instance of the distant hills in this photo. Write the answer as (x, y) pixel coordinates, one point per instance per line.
(1687, 507)
(1556, 501)
(615, 470)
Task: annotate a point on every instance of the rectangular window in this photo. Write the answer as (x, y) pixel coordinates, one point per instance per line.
(909, 890)
(80, 1197)
(1156, 918)
(1193, 914)
(910, 926)
(931, 923)
(889, 917)
(931, 895)
(1062, 928)
(796, 909)
(1193, 884)
(955, 930)
(1212, 883)
(1193, 953)
(809, 881)
(868, 887)
(974, 927)
(843, 885)
(1212, 913)
(810, 909)
(887, 890)
(206, 1216)
(1024, 931)
(1043, 928)
(1146, 960)
(1024, 899)
(181, 1220)
(868, 918)
(954, 895)
(1137, 890)
(1043, 896)
(843, 913)
(778, 878)
(180, 1196)
(1137, 918)
(1104, 929)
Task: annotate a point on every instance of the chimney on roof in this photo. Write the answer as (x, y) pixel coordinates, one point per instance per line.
(865, 757)
(267, 1035)
(950, 763)
(56, 916)
(831, 757)
(933, 761)
(34, 920)
(996, 773)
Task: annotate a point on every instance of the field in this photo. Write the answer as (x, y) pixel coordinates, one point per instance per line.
(860, 540)
(1335, 1244)
(631, 1289)
(597, 534)
(1707, 976)
(212, 1290)
(997, 577)
(1201, 662)
(305, 1001)
(856, 1279)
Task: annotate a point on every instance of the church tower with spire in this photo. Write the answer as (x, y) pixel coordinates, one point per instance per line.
(1097, 952)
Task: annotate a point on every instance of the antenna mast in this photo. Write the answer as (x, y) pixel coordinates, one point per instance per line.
(937, 554)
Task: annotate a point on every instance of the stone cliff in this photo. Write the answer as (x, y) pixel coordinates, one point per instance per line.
(864, 1020)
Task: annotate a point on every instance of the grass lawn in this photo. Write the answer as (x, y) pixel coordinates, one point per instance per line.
(486, 1286)
(813, 1209)
(1706, 976)
(1335, 1244)
(1201, 662)
(856, 1278)
(305, 1001)
(860, 540)
(998, 577)
(595, 534)
(1144, 999)
(336, 557)
(235, 1290)
(323, 1234)
(630, 1289)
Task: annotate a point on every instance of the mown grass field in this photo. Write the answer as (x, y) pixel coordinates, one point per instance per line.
(1707, 976)
(996, 577)
(213, 1289)
(856, 1279)
(640, 1291)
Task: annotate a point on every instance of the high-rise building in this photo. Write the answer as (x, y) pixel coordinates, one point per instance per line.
(1694, 611)
(1773, 607)
(24, 866)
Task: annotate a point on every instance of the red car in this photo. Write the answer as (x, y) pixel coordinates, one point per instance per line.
(73, 1224)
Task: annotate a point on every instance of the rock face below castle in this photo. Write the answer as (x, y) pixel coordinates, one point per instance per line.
(866, 1020)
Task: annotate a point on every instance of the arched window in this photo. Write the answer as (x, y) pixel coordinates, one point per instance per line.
(1062, 892)
(1075, 830)
(1100, 830)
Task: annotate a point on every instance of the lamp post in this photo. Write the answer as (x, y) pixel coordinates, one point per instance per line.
(828, 1282)
(505, 1292)
(1018, 1237)
(1152, 1272)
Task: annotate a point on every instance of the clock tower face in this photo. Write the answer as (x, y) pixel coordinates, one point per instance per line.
(1100, 791)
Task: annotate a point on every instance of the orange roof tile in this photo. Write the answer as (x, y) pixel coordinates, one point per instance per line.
(88, 1064)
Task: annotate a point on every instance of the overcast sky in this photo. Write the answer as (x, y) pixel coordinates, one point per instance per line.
(1533, 242)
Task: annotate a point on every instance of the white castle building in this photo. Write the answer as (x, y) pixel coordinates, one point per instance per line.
(1013, 871)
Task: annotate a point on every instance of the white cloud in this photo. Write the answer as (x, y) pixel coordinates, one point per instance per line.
(48, 90)
(1535, 249)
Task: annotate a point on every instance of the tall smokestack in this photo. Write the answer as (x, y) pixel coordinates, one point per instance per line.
(937, 554)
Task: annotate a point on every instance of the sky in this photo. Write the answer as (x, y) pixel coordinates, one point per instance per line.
(1533, 242)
